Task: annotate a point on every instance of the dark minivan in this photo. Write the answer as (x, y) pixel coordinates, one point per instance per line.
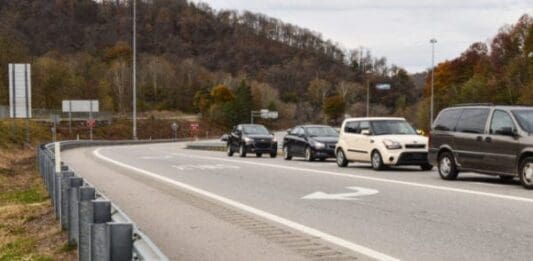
(488, 139)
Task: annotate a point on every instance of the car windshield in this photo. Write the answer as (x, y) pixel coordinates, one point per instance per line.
(255, 130)
(387, 127)
(322, 131)
(525, 119)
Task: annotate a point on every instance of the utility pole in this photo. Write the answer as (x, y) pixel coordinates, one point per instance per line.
(433, 41)
(134, 67)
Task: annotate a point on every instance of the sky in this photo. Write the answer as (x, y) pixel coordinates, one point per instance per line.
(397, 30)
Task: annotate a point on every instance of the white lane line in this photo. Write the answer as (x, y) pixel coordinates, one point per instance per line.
(355, 176)
(297, 226)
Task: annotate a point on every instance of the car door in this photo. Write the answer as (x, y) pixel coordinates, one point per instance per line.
(363, 143)
(470, 135)
(290, 140)
(236, 135)
(501, 145)
(297, 144)
(351, 134)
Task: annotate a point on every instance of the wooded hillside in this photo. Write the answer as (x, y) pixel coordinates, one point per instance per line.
(80, 49)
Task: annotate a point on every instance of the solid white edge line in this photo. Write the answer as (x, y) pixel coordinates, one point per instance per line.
(302, 228)
(355, 176)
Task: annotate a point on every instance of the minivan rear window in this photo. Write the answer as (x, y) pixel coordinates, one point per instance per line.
(473, 120)
(447, 120)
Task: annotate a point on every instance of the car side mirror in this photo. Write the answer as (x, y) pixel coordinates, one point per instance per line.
(419, 132)
(507, 131)
(289, 131)
(224, 137)
(365, 132)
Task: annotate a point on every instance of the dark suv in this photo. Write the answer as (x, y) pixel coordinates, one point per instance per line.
(310, 141)
(253, 138)
(495, 140)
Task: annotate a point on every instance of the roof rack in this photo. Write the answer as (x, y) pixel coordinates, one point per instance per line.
(473, 104)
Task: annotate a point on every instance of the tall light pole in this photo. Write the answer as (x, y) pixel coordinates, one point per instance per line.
(365, 73)
(433, 41)
(134, 67)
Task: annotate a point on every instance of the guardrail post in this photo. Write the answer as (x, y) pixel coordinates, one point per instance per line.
(64, 198)
(121, 241)
(86, 218)
(73, 228)
(57, 193)
(100, 234)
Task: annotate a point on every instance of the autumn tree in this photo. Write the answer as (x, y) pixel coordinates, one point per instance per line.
(334, 108)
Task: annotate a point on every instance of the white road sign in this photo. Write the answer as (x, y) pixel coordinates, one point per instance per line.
(19, 90)
(358, 192)
(80, 106)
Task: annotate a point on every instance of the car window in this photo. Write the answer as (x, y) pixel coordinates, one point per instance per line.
(321, 131)
(525, 119)
(364, 125)
(501, 120)
(351, 127)
(394, 127)
(298, 131)
(447, 120)
(473, 120)
(255, 129)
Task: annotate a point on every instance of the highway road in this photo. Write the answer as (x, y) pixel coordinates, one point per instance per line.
(201, 205)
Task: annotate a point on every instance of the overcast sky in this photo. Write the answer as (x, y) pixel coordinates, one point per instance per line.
(398, 30)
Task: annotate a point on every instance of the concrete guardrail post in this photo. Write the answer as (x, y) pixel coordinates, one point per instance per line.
(64, 198)
(100, 234)
(73, 228)
(121, 241)
(86, 218)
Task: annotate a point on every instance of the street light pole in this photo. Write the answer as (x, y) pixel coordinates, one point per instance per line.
(433, 41)
(134, 66)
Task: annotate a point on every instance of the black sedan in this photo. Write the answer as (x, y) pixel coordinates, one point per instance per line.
(251, 138)
(311, 142)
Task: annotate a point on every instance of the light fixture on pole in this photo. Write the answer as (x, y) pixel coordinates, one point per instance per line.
(134, 68)
(433, 41)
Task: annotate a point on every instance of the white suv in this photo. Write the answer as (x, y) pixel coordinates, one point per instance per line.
(382, 142)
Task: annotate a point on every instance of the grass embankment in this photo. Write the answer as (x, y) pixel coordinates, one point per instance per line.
(28, 228)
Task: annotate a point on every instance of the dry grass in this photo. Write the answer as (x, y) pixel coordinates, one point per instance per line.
(28, 227)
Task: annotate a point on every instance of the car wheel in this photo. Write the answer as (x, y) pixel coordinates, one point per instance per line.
(242, 151)
(526, 173)
(377, 161)
(506, 177)
(341, 159)
(286, 154)
(447, 167)
(229, 150)
(309, 154)
(273, 154)
(259, 155)
(426, 167)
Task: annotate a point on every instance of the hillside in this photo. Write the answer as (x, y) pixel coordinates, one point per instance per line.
(81, 49)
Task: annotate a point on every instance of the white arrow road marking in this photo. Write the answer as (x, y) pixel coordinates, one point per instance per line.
(343, 196)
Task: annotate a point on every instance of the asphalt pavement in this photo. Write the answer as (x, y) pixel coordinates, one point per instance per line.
(201, 205)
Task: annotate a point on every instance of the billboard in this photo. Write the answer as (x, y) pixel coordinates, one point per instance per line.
(80, 106)
(19, 90)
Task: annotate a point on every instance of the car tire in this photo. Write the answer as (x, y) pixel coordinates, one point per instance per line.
(229, 151)
(273, 154)
(286, 154)
(377, 161)
(259, 155)
(341, 159)
(242, 151)
(426, 167)
(447, 166)
(506, 177)
(526, 173)
(309, 154)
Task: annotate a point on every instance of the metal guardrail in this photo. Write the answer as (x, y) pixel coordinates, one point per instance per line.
(98, 227)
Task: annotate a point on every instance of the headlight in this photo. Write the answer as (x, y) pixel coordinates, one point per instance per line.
(248, 140)
(392, 145)
(319, 145)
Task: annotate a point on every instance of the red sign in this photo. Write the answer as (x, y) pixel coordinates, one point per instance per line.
(91, 123)
(195, 126)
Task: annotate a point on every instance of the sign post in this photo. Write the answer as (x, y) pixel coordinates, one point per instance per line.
(174, 126)
(88, 106)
